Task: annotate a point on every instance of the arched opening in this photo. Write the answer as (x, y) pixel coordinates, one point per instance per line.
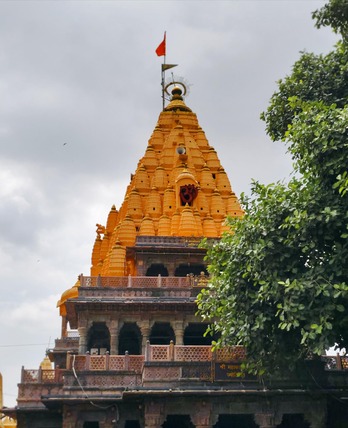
(178, 421)
(161, 334)
(232, 421)
(295, 420)
(157, 269)
(190, 268)
(194, 335)
(98, 339)
(129, 339)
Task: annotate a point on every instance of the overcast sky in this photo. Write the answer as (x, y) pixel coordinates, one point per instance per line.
(80, 95)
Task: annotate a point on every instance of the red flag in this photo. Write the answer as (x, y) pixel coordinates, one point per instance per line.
(161, 50)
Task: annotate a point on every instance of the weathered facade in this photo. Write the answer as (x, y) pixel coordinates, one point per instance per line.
(132, 351)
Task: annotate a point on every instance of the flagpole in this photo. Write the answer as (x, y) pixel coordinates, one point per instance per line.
(163, 80)
(162, 51)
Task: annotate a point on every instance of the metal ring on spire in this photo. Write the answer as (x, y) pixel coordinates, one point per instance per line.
(175, 83)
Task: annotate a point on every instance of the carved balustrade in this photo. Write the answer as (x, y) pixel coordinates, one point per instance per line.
(144, 282)
(134, 363)
(193, 357)
(173, 352)
(42, 376)
(106, 362)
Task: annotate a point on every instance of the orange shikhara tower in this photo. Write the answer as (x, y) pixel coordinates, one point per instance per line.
(179, 189)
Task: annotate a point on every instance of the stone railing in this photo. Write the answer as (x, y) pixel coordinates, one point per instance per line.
(42, 376)
(191, 356)
(186, 353)
(163, 368)
(135, 363)
(144, 281)
(132, 363)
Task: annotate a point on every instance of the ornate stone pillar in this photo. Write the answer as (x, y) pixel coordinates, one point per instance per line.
(202, 418)
(171, 268)
(179, 332)
(265, 420)
(114, 332)
(154, 414)
(82, 340)
(69, 418)
(145, 334)
(64, 326)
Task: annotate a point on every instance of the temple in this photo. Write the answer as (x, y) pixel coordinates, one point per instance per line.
(133, 352)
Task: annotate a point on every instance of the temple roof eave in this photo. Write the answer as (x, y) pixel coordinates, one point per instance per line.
(157, 249)
(136, 306)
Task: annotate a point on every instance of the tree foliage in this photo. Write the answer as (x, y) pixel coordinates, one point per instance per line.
(279, 280)
(314, 78)
(335, 15)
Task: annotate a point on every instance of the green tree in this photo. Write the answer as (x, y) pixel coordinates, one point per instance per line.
(279, 280)
(335, 15)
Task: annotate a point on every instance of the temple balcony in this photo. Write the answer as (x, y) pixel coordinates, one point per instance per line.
(105, 293)
(144, 282)
(36, 383)
(163, 367)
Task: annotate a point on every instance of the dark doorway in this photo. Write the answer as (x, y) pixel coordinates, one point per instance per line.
(194, 335)
(157, 269)
(236, 421)
(129, 339)
(161, 334)
(295, 420)
(178, 421)
(132, 424)
(190, 268)
(91, 425)
(98, 338)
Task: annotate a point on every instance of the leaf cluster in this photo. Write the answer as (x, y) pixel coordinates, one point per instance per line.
(313, 78)
(335, 15)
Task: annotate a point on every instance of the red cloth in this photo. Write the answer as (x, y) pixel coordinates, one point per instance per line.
(161, 50)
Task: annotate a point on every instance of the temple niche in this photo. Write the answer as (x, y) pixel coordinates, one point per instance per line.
(133, 353)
